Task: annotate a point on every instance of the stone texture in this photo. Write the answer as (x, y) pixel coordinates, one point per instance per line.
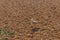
(16, 19)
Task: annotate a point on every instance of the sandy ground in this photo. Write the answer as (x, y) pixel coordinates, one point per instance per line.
(29, 19)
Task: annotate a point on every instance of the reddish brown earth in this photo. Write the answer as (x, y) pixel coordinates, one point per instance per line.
(29, 19)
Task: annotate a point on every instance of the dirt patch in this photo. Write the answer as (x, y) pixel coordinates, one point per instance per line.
(29, 20)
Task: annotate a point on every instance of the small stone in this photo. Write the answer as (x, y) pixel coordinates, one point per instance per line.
(35, 29)
(33, 21)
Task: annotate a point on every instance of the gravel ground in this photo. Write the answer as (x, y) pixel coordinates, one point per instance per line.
(29, 19)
